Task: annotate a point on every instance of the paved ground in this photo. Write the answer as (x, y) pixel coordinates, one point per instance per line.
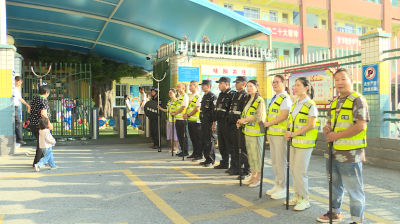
(133, 184)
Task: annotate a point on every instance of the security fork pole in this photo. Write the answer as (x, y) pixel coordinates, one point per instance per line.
(158, 117)
(184, 140)
(287, 172)
(262, 163)
(173, 136)
(330, 182)
(240, 161)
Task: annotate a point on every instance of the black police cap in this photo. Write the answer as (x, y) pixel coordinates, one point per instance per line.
(206, 82)
(224, 79)
(154, 88)
(241, 79)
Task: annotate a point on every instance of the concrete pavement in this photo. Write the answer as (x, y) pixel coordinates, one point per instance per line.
(135, 184)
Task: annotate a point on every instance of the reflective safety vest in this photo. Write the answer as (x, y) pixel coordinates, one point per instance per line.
(192, 105)
(344, 121)
(252, 128)
(170, 109)
(179, 105)
(308, 139)
(273, 112)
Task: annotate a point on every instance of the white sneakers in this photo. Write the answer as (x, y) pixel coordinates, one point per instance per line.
(279, 194)
(271, 191)
(302, 204)
(293, 200)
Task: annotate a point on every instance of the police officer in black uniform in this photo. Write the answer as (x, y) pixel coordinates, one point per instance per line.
(208, 125)
(225, 130)
(154, 122)
(238, 104)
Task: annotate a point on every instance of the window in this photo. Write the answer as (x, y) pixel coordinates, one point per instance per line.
(275, 52)
(273, 16)
(336, 26)
(364, 29)
(252, 13)
(285, 18)
(350, 28)
(286, 54)
(228, 6)
(120, 92)
(323, 24)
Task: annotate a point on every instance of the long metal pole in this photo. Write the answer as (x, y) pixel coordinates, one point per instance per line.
(173, 136)
(240, 158)
(288, 172)
(262, 163)
(330, 182)
(184, 140)
(158, 117)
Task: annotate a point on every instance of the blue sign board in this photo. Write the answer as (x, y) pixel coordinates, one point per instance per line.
(188, 74)
(101, 123)
(111, 123)
(370, 79)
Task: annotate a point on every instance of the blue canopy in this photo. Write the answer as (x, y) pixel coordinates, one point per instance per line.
(123, 30)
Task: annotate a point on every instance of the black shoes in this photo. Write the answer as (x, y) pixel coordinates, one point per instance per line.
(208, 164)
(180, 154)
(233, 172)
(195, 159)
(191, 156)
(221, 166)
(203, 163)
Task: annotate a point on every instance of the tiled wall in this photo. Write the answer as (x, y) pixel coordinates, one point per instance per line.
(7, 111)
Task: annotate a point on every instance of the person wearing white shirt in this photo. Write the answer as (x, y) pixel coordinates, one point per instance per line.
(193, 116)
(142, 100)
(276, 122)
(303, 124)
(182, 104)
(17, 103)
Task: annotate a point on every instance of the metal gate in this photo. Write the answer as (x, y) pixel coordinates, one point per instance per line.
(70, 98)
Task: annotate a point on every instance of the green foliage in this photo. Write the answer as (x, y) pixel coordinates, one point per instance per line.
(103, 70)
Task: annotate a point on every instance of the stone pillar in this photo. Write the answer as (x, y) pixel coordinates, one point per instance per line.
(373, 45)
(303, 25)
(7, 111)
(18, 64)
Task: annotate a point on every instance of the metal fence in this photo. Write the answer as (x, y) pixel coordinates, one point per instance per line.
(70, 98)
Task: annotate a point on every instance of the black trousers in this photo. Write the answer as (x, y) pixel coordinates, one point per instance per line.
(182, 135)
(238, 134)
(194, 132)
(225, 140)
(207, 141)
(18, 132)
(154, 131)
(39, 153)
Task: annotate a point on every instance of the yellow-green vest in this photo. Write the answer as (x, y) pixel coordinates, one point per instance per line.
(170, 109)
(345, 121)
(179, 105)
(252, 128)
(192, 105)
(273, 112)
(308, 139)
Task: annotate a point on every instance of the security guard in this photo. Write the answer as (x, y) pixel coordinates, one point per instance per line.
(225, 130)
(208, 125)
(238, 104)
(193, 117)
(347, 129)
(181, 105)
(154, 122)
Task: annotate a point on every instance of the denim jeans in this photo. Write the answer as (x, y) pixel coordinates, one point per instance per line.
(349, 176)
(47, 157)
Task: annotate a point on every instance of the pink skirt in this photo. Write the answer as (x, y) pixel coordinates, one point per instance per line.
(169, 131)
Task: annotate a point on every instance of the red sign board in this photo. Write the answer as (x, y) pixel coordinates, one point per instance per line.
(285, 32)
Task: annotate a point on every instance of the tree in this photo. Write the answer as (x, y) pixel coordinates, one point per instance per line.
(104, 72)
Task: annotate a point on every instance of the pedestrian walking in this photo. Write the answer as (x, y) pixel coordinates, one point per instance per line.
(171, 130)
(238, 104)
(208, 126)
(276, 122)
(253, 116)
(181, 104)
(46, 143)
(17, 104)
(225, 130)
(39, 108)
(193, 117)
(303, 124)
(347, 129)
